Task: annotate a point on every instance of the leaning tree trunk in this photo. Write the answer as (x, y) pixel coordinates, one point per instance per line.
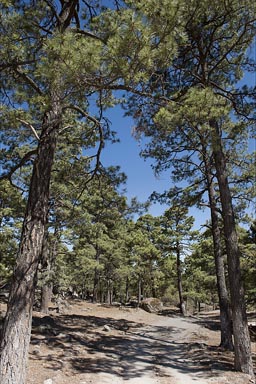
(17, 325)
(225, 314)
(242, 344)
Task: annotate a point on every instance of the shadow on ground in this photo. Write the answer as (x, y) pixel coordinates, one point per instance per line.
(128, 350)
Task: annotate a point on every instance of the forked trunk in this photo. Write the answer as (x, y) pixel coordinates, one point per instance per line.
(225, 311)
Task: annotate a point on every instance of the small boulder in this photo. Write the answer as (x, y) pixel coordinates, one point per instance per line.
(151, 305)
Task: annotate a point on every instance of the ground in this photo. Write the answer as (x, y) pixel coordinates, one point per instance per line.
(94, 344)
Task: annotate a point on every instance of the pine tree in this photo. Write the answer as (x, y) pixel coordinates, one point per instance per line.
(197, 90)
(50, 70)
(178, 226)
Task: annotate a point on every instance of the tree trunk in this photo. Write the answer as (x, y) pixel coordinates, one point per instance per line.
(127, 285)
(242, 344)
(225, 315)
(18, 320)
(179, 281)
(139, 290)
(96, 279)
(152, 281)
(95, 286)
(109, 292)
(17, 325)
(49, 257)
(46, 296)
(46, 289)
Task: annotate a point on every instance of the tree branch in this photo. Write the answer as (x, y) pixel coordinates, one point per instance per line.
(15, 64)
(88, 34)
(83, 113)
(29, 81)
(31, 127)
(19, 165)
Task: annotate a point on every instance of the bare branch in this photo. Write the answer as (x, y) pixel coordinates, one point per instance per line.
(31, 127)
(49, 3)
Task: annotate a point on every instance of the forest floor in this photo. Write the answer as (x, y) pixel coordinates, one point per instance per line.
(94, 344)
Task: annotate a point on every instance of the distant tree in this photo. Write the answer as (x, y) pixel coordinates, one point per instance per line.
(199, 275)
(177, 226)
(247, 240)
(149, 232)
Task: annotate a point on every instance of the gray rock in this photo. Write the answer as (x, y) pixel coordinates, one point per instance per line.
(48, 381)
(151, 305)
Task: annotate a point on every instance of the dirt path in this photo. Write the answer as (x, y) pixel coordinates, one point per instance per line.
(94, 345)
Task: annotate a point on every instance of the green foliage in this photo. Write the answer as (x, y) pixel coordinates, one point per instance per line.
(11, 214)
(195, 109)
(182, 61)
(200, 277)
(248, 262)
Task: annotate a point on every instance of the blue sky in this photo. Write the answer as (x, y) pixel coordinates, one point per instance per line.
(141, 180)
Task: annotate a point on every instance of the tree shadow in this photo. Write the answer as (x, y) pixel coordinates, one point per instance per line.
(211, 322)
(128, 350)
(174, 312)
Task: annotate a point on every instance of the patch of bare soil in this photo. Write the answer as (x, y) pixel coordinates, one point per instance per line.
(93, 344)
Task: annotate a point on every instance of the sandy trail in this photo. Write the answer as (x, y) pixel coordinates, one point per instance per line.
(137, 348)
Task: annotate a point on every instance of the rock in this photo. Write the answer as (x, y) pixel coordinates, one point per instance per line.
(48, 381)
(106, 328)
(151, 305)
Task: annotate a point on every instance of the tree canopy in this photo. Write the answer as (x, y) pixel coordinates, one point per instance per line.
(175, 66)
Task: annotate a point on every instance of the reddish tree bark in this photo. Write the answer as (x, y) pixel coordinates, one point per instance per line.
(17, 325)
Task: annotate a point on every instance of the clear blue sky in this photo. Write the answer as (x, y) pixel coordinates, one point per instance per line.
(141, 179)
